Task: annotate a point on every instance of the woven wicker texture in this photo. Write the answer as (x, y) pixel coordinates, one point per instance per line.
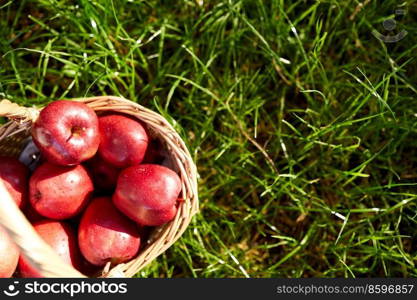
(14, 135)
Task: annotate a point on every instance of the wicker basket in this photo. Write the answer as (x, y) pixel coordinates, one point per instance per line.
(14, 135)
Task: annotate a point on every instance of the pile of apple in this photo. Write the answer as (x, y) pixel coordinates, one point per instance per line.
(96, 190)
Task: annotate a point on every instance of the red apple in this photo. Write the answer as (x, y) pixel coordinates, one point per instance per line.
(66, 132)
(14, 175)
(147, 194)
(104, 174)
(106, 235)
(9, 255)
(123, 140)
(62, 239)
(58, 192)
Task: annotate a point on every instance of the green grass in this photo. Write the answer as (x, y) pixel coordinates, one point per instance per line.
(303, 125)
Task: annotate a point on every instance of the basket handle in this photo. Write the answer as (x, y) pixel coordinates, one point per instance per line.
(16, 112)
(36, 251)
(39, 254)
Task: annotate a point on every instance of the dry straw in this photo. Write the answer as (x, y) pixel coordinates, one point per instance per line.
(14, 135)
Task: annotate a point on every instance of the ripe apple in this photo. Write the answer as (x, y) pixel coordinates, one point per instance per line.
(106, 235)
(9, 255)
(147, 194)
(104, 174)
(14, 175)
(123, 140)
(66, 132)
(58, 192)
(62, 239)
